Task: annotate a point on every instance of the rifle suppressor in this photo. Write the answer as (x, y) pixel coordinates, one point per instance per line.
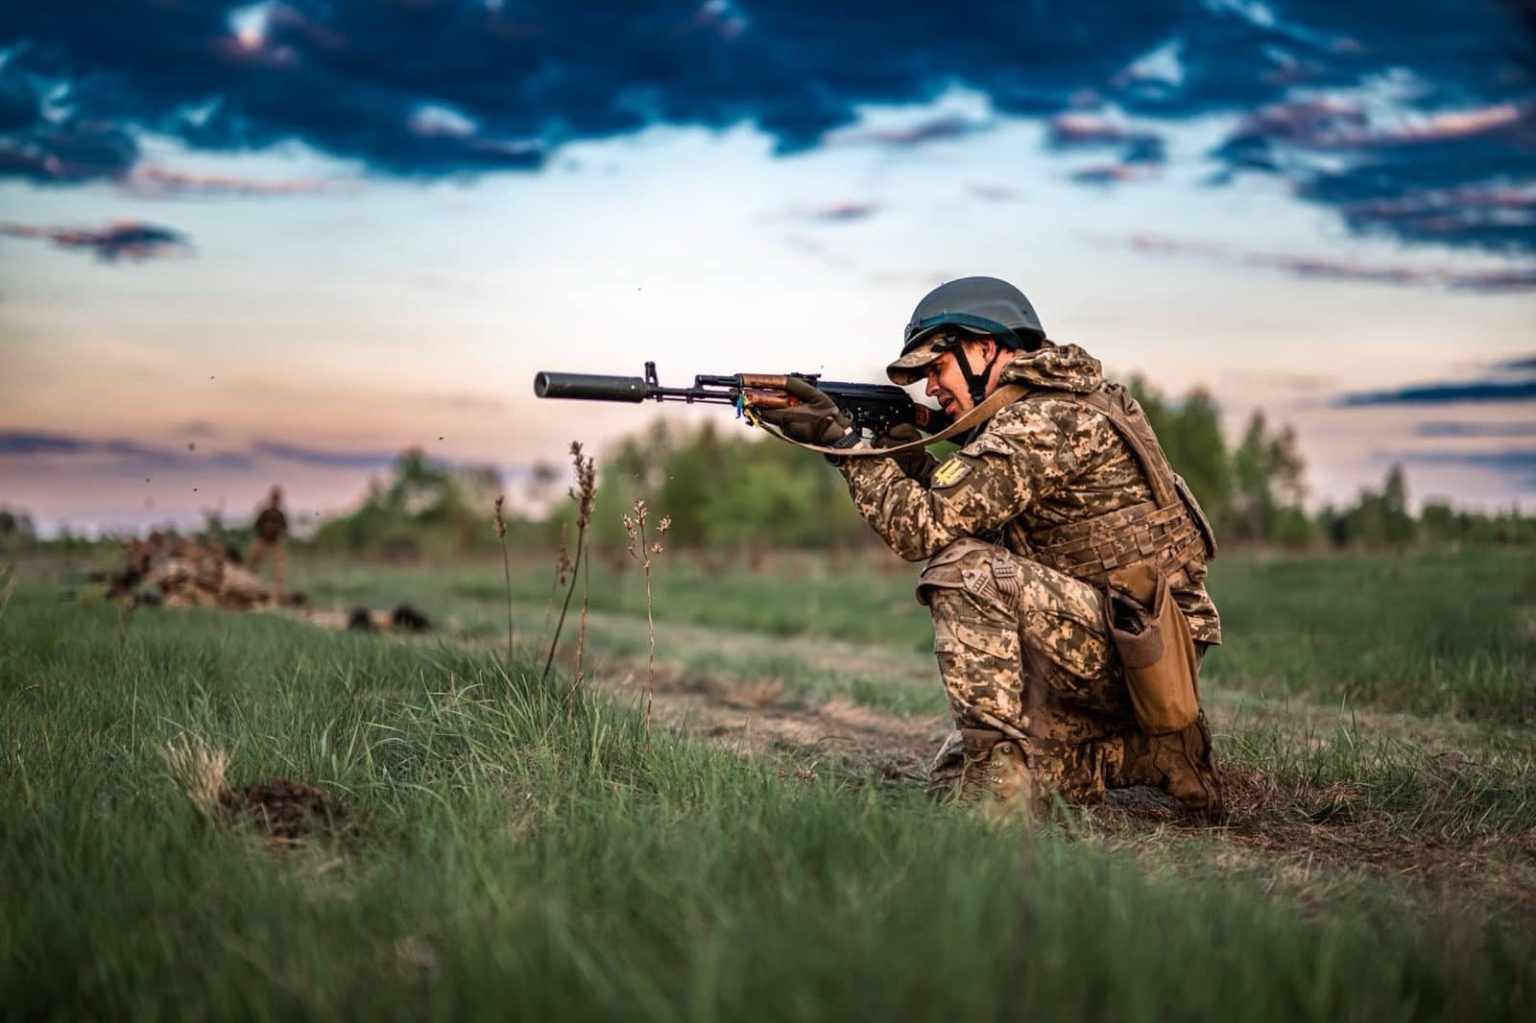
(590, 387)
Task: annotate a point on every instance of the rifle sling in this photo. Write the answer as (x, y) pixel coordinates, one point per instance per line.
(1004, 395)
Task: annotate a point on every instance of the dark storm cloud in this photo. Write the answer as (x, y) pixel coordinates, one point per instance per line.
(1446, 393)
(1518, 463)
(1113, 174)
(1513, 382)
(32, 442)
(157, 182)
(326, 458)
(45, 444)
(1487, 281)
(840, 212)
(939, 129)
(1078, 131)
(28, 444)
(1465, 429)
(1421, 105)
(1494, 216)
(131, 240)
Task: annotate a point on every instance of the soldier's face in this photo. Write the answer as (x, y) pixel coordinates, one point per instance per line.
(946, 381)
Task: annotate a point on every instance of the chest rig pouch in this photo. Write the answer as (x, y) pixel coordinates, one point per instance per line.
(1152, 638)
(1139, 555)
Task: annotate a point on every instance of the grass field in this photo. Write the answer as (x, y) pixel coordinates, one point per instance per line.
(506, 848)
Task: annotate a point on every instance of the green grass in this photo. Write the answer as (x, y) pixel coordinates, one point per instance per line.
(1447, 635)
(511, 855)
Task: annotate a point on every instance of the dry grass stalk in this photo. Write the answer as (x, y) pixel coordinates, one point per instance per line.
(506, 568)
(198, 770)
(581, 622)
(644, 550)
(584, 493)
(562, 571)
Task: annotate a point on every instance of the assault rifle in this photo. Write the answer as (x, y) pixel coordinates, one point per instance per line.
(873, 407)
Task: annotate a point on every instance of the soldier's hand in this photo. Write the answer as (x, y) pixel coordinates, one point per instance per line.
(916, 464)
(816, 420)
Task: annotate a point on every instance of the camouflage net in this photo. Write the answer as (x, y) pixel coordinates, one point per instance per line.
(173, 571)
(178, 572)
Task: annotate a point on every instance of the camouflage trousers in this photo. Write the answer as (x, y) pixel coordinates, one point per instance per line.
(277, 551)
(1024, 649)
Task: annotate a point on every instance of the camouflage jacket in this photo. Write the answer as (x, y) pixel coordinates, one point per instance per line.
(1041, 462)
(271, 525)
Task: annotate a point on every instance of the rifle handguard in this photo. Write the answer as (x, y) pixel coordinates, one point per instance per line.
(1005, 395)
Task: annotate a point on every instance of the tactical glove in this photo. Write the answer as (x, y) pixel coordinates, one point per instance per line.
(816, 420)
(917, 464)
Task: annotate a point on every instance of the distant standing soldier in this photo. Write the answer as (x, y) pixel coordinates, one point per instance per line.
(271, 539)
(1065, 559)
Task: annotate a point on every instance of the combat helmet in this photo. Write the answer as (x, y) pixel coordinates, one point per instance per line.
(978, 306)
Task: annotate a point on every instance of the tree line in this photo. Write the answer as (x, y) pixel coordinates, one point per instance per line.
(732, 488)
(1255, 490)
(726, 487)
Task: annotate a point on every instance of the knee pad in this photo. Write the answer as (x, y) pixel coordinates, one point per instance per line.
(972, 566)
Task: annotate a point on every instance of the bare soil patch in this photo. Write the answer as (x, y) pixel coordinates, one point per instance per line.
(1300, 834)
(283, 809)
(836, 735)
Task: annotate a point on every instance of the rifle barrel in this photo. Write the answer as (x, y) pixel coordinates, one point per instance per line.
(590, 387)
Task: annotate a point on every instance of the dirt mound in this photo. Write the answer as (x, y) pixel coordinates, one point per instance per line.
(281, 808)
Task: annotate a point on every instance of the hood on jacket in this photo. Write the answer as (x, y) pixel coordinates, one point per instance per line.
(1057, 367)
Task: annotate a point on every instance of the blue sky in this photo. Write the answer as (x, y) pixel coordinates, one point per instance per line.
(245, 244)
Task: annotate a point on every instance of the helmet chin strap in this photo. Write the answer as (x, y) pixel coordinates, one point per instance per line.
(977, 382)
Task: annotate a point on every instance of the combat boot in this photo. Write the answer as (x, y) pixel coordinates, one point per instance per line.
(996, 772)
(947, 770)
(1180, 764)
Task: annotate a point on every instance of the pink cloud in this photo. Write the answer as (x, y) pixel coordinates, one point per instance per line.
(164, 182)
(1333, 123)
(937, 130)
(125, 239)
(842, 211)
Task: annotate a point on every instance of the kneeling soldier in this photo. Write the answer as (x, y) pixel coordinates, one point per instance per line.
(1065, 559)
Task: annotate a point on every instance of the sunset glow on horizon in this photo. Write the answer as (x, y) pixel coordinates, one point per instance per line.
(272, 243)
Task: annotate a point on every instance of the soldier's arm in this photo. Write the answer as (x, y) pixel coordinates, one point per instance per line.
(979, 488)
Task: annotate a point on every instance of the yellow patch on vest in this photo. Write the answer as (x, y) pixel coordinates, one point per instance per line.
(951, 472)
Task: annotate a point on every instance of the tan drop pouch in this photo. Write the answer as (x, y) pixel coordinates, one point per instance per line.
(1152, 637)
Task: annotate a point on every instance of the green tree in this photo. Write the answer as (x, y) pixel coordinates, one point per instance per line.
(1269, 484)
(696, 470)
(1199, 453)
(1397, 520)
(1253, 498)
(16, 525)
(1190, 433)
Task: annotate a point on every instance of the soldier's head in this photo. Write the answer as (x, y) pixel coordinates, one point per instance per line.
(275, 497)
(960, 337)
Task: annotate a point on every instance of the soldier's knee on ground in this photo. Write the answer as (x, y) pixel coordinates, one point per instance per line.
(1179, 763)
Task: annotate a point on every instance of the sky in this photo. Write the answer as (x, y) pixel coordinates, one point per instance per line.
(246, 244)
